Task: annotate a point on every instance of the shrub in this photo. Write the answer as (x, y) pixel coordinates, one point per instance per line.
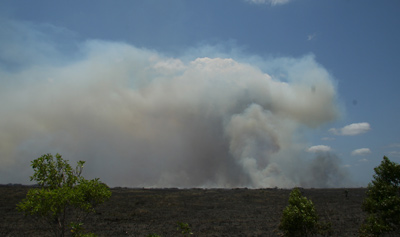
(383, 200)
(299, 217)
(64, 197)
(184, 228)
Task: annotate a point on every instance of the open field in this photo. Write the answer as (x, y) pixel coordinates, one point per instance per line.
(210, 212)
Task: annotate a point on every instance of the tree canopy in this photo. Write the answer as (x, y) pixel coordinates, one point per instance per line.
(299, 217)
(383, 200)
(64, 197)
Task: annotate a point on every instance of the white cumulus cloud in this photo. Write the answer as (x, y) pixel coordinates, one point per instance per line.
(360, 152)
(272, 2)
(352, 129)
(319, 148)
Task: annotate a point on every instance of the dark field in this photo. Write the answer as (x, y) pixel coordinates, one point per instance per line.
(210, 212)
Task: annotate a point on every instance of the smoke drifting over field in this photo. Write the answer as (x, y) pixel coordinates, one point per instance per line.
(140, 118)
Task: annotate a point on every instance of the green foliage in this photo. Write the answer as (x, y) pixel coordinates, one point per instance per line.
(64, 196)
(77, 230)
(184, 228)
(383, 200)
(299, 217)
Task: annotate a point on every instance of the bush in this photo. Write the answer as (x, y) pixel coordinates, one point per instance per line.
(383, 200)
(184, 228)
(299, 217)
(64, 197)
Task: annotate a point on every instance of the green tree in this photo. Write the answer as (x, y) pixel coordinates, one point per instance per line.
(383, 200)
(299, 217)
(64, 198)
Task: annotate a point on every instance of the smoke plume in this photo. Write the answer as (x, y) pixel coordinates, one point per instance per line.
(140, 118)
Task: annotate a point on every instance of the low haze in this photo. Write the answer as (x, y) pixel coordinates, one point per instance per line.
(186, 95)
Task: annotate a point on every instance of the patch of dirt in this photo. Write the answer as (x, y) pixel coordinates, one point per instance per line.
(209, 212)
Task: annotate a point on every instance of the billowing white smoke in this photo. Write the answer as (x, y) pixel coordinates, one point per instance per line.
(142, 119)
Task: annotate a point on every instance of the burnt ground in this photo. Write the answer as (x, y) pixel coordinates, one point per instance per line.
(209, 212)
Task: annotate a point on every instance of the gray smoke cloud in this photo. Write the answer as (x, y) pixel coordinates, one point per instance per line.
(140, 118)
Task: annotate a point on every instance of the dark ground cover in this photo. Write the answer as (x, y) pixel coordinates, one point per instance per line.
(209, 212)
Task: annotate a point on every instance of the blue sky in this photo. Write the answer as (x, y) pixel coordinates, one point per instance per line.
(346, 52)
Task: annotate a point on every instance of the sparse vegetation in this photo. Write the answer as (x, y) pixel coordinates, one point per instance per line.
(209, 212)
(153, 235)
(184, 228)
(383, 200)
(64, 198)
